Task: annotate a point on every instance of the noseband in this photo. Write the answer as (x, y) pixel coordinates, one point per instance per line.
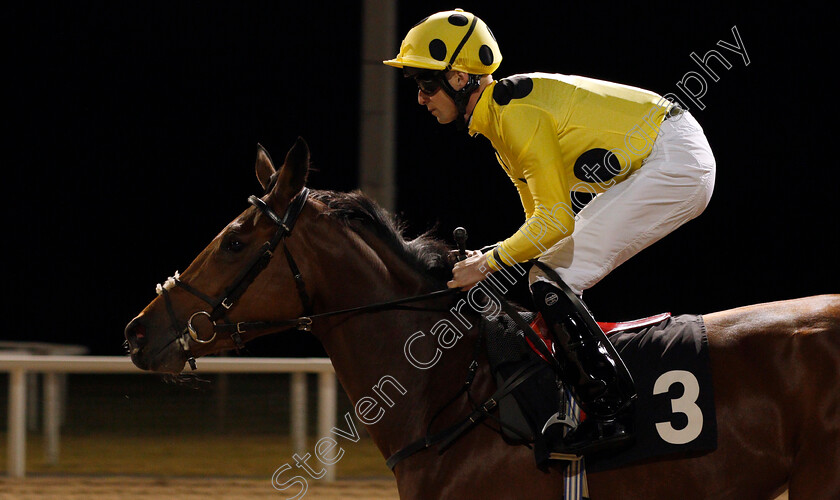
(220, 305)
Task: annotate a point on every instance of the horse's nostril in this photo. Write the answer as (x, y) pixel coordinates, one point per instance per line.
(135, 334)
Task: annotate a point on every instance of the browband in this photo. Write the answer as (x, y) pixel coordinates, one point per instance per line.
(291, 215)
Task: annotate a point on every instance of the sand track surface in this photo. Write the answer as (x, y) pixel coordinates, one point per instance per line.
(152, 488)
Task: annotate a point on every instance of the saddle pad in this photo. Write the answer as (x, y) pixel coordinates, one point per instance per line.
(541, 329)
(675, 411)
(621, 326)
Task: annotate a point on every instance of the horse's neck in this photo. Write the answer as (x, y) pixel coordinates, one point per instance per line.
(364, 271)
(394, 393)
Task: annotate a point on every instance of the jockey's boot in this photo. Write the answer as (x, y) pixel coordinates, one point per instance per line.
(592, 369)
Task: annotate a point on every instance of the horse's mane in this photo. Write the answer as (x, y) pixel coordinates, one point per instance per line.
(425, 253)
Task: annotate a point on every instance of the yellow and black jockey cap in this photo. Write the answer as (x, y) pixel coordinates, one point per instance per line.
(449, 40)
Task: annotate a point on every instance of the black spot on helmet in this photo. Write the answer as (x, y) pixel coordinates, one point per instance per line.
(437, 49)
(458, 20)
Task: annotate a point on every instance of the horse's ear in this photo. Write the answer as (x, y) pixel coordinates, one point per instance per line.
(292, 176)
(264, 167)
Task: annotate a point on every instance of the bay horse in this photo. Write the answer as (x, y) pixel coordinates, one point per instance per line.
(775, 366)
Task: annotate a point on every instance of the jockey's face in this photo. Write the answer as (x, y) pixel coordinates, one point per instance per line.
(439, 103)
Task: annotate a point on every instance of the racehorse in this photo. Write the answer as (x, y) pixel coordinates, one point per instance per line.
(775, 366)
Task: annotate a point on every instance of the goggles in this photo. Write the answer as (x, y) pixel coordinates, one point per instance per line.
(428, 85)
(429, 82)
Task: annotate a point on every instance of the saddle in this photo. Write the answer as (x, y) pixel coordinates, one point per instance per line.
(656, 349)
(541, 329)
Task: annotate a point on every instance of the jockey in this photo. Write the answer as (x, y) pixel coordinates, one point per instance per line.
(644, 159)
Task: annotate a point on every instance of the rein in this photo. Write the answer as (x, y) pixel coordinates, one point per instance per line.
(304, 323)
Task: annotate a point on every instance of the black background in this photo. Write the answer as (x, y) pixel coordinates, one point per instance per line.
(131, 131)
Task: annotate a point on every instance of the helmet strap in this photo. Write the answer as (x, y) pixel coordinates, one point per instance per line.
(461, 97)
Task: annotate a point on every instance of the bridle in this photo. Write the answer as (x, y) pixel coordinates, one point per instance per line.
(219, 306)
(285, 224)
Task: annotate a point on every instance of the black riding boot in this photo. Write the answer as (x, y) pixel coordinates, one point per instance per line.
(592, 369)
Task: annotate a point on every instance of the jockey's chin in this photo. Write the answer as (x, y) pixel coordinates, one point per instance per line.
(442, 116)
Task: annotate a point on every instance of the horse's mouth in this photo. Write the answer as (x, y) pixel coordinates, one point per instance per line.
(169, 359)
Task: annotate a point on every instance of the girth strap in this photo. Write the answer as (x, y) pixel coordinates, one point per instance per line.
(446, 437)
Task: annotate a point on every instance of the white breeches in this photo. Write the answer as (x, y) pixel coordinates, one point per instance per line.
(673, 186)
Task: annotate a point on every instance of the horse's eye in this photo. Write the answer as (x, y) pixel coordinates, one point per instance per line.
(233, 244)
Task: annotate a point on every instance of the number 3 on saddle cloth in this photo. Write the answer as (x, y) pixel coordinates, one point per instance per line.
(669, 360)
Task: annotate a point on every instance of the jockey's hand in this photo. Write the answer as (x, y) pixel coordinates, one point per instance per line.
(470, 253)
(468, 272)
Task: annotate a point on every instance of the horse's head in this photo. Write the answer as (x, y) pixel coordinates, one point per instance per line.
(233, 277)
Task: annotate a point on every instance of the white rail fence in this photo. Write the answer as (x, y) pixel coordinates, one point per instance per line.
(19, 366)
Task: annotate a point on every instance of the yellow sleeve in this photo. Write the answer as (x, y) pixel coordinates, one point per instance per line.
(529, 138)
(521, 187)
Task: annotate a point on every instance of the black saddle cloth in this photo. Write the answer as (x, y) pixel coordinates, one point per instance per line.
(669, 361)
(675, 412)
